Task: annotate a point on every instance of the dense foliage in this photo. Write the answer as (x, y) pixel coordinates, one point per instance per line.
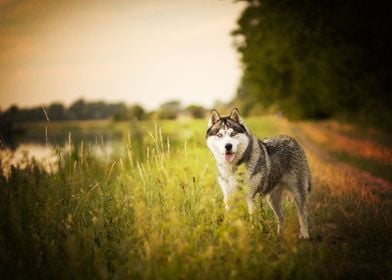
(316, 59)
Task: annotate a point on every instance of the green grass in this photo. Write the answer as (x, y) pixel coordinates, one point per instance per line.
(154, 210)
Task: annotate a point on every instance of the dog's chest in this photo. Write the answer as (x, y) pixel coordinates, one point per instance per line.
(227, 171)
(227, 177)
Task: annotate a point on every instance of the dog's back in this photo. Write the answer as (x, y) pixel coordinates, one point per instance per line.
(286, 157)
(273, 160)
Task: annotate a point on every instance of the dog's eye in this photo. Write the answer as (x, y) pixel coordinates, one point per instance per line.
(233, 134)
(219, 135)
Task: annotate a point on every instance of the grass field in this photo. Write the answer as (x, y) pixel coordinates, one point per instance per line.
(152, 209)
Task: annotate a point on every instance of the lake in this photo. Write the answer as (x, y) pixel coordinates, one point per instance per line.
(104, 138)
(43, 142)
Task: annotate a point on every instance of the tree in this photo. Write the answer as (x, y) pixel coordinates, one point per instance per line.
(169, 110)
(134, 112)
(56, 112)
(196, 111)
(78, 110)
(137, 112)
(315, 58)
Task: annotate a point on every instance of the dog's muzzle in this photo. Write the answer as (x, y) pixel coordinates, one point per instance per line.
(229, 155)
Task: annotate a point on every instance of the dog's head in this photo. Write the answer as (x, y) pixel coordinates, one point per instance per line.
(227, 137)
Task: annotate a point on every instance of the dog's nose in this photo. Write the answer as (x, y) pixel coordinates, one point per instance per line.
(228, 147)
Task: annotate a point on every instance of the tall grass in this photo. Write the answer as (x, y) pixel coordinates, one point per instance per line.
(153, 210)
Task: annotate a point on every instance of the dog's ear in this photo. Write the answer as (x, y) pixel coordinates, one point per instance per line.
(235, 116)
(213, 118)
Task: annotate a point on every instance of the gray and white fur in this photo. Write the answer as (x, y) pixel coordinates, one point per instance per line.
(273, 165)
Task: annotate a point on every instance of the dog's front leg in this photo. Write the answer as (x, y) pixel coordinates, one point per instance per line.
(251, 205)
(228, 186)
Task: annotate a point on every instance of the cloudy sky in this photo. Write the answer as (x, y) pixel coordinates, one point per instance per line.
(146, 51)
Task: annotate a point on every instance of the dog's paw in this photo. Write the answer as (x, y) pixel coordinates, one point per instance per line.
(303, 236)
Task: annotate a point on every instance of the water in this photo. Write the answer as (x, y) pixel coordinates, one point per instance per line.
(47, 155)
(43, 143)
(25, 153)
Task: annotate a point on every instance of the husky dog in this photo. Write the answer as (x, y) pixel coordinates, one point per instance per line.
(273, 165)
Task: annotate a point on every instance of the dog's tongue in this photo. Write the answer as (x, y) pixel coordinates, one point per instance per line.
(229, 156)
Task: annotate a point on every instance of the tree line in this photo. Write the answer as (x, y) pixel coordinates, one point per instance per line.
(97, 110)
(316, 59)
(90, 110)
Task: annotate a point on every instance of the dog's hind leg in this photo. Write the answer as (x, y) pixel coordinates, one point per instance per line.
(300, 201)
(274, 199)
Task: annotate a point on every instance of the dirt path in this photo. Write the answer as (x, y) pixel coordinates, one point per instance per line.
(333, 172)
(350, 212)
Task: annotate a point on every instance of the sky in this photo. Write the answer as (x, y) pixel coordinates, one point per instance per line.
(147, 52)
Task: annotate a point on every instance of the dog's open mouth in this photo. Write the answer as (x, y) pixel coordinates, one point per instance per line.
(229, 156)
